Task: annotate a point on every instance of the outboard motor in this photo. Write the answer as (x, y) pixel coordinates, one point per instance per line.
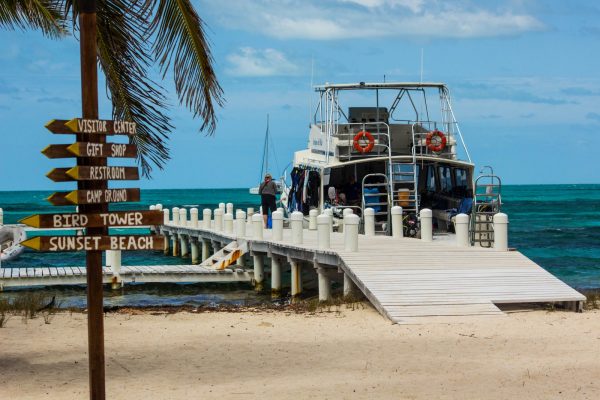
(411, 226)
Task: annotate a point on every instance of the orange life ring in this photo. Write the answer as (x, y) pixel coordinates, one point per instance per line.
(359, 147)
(436, 147)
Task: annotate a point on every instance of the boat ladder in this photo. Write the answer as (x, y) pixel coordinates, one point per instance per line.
(375, 194)
(487, 201)
(404, 187)
(227, 256)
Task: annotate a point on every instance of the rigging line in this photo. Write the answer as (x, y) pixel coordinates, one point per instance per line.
(264, 170)
(274, 153)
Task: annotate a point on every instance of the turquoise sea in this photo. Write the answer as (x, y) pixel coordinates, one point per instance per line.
(557, 226)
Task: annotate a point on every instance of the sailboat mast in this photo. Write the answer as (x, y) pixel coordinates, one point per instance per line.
(267, 147)
(264, 166)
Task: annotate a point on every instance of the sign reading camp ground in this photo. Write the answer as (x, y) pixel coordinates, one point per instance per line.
(99, 175)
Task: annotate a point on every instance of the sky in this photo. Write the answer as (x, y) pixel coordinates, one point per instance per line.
(524, 76)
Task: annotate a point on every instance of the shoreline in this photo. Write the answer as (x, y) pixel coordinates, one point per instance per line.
(342, 353)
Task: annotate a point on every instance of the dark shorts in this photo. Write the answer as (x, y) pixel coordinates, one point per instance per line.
(267, 202)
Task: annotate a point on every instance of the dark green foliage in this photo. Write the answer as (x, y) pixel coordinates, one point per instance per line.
(133, 36)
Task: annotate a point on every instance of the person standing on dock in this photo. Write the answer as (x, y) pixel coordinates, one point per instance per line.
(267, 191)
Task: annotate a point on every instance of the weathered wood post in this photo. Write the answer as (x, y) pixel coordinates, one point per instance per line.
(166, 216)
(296, 220)
(116, 281)
(183, 217)
(275, 275)
(206, 216)
(369, 221)
(323, 231)
(174, 245)
(426, 225)
(258, 267)
(205, 249)
(296, 273)
(461, 227)
(257, 226)
(347, 211)
(329, 213)
(183, 245)
(240, 223)
(312, 219)
(228, 223)
(193, 218)
(397, 226)
(500, 231)
(351, 222)
(324, 284)
(277, 218)
(175, 213)
(159, 207)
(218, 219)
(195, 249)
(93, 264)
(166, 248)
(229, 208)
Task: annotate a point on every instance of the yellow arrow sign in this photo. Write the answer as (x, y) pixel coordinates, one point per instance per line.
(96, 173)
(32, 220)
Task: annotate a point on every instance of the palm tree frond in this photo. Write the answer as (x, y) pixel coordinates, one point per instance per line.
(46, 15)
(181, 42)
(124, 55)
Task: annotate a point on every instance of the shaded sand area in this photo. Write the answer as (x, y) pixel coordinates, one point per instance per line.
(353, 354)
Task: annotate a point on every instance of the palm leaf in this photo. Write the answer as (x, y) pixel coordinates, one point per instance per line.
(181, 42)
(124, 55)
(46, 15)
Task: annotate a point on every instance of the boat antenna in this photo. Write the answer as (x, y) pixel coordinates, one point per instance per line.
(312, 73)
(421, 65)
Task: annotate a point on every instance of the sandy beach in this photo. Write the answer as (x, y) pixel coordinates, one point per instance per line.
(351, 354)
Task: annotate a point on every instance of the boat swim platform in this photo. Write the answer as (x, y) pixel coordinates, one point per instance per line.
(409, 280)
(59, 276)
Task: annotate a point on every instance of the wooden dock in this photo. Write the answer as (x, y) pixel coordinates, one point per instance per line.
(409, 280)
(55, 276)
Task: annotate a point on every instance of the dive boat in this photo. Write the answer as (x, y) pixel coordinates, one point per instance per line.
(380, 145)
(10, 238)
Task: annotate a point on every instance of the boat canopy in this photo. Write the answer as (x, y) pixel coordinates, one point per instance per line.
(380, 85)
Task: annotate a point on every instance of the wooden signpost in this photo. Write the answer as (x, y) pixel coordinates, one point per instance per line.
(92, 174)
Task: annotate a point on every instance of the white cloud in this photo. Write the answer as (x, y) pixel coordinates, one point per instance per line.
(413, 5)
(255, 62)
(349, 19)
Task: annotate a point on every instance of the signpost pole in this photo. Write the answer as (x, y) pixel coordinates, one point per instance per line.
(89, 98)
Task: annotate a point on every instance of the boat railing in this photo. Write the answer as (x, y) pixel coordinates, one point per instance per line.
(345, 134)
(420, 130)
